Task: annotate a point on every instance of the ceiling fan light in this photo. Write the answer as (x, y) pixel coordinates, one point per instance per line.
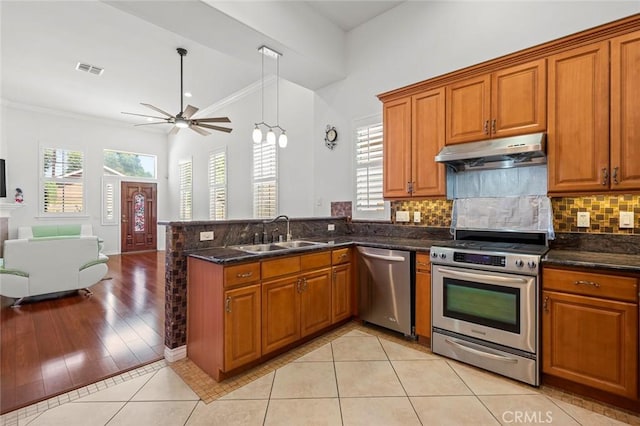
(271, 136)
(181, 123)
(257, 135)
(283, 140)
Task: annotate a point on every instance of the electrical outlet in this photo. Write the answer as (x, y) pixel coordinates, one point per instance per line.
(331, 227)
(626, 220)
(584, 221)
(206, 236)
(402, 216)
(416, 217)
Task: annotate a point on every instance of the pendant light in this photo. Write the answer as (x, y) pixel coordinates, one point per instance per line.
(257, 132)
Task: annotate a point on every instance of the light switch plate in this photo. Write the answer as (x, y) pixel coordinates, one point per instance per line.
(402, 216)
(416, 217)
(584, 221)
(626, 220)
(206, 236)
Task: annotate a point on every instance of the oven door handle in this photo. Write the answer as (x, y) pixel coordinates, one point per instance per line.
(481, 353)
(381, 257)
(483, 277)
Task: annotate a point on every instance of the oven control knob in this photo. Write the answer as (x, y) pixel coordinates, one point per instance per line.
(434, 254)
(443, 256)
(519, 263)
(531, 264)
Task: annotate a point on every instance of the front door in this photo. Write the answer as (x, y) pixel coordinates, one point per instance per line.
(138, 207)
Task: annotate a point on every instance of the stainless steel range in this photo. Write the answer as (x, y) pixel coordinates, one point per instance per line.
(485, 295)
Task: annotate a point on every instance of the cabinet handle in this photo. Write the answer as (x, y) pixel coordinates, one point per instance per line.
(304, 284)
(409, 188)
(493, 126)
(227, 304)
(591, 283)
(545, 305)
(335, 275)
(422, 264)
(244, 275)
(486, 127)
(605, 175)
(343, 255)
(298, 289)
(615, 175)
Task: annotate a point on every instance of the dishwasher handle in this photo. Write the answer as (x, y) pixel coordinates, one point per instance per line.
(383, 257)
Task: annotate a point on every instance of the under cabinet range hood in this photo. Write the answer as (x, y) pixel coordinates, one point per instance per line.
(502, 153)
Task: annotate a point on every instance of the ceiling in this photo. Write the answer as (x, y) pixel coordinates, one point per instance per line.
(135, 42)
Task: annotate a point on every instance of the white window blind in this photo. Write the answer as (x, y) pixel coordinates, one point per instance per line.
(109, 194)
(265, 180)
(218, 185)
(61, 182)
(186, 189)
(369, 168)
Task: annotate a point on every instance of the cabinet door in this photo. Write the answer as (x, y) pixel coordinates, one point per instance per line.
(423, 303)
(468, 110)
(591, 341)
(397, 148)
(280, 313)
(578, 136)
(625, 111)
(341, 293)
(427, 139)
(315, 302)
(242, 326)
(519, 100)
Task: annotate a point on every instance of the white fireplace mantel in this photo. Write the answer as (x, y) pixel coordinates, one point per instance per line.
(7, 208)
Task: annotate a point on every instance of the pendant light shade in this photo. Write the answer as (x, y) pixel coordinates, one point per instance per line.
(257, 135)
(283, 140)
(257, 132)
(271, 136)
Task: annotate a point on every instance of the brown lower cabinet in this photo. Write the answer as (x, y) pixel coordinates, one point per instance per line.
(423, 296)
(590, 329)
(242, 334)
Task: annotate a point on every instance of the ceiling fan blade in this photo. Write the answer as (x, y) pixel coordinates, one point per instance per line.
(213, 120)
(144, 115)
(148, 124)
(189, 111)
(157, 109)
(222, 129)
(199, 130)
(175, 130)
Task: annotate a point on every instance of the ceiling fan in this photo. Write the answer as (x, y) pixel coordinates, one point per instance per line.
(183, 119)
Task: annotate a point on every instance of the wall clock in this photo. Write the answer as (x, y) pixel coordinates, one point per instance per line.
(330, 137)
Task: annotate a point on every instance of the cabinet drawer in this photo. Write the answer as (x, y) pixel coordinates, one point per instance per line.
(315, 260)
(241, 274)
(280, 266)
(591, 284)
(341, 256)
(423, 262)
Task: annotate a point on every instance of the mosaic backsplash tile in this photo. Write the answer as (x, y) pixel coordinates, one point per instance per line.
(604, 213)
(435, 213)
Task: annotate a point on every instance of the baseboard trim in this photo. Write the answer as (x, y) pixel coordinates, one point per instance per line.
(175, 354)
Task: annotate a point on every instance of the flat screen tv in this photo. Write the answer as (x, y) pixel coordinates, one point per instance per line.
(3, 180)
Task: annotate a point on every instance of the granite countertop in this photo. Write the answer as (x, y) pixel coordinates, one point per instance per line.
(612, 261)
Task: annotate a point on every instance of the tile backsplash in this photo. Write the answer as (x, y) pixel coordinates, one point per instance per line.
(604, 212)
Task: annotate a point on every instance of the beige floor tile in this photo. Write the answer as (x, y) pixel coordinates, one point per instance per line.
(526, 410)
(156, 413)
(165, 385)
(323, 353)
(378, 411)
(258, 389)
(73, 414)
(586, 417)
(484, 383)
(452, 410)
(121, 392)
(356, 333)
(426, 378)
(358, 348)
(305, 380)
(26, 420)
(229, 413)
(310, 412)
(395, 351)
(367, 378)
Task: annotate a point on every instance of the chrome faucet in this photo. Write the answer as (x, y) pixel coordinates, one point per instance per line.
(282, 216)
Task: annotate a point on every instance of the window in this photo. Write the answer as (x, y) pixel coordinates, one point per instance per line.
(369, 201)
(61, 182)
(109, 194)
(186, 189)
(130, 164)
(218, 185)
(265, 181)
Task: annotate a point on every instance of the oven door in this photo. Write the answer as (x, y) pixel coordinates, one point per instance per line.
(495, 307)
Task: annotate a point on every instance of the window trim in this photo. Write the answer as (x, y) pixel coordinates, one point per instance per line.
(42, 180)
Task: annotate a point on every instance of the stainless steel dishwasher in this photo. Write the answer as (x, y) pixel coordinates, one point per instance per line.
(386, 288)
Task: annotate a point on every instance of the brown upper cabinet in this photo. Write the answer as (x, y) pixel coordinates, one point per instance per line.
(413, 136)
(506, 102)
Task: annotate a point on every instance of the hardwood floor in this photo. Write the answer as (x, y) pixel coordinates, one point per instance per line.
(52, 346)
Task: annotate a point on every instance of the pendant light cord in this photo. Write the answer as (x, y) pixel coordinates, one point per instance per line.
(181, 88)
(262, 87)
(278, 92)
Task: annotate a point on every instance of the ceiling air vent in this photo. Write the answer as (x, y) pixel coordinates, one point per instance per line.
(91, 69)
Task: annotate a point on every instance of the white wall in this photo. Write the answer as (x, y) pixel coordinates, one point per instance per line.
(25, 129)
(295, 162)
(418, 40)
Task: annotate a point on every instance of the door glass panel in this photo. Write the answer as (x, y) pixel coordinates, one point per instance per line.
(484, 304)
(138, 212)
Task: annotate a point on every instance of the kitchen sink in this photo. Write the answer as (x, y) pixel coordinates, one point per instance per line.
(259, 248)
(297, 244)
